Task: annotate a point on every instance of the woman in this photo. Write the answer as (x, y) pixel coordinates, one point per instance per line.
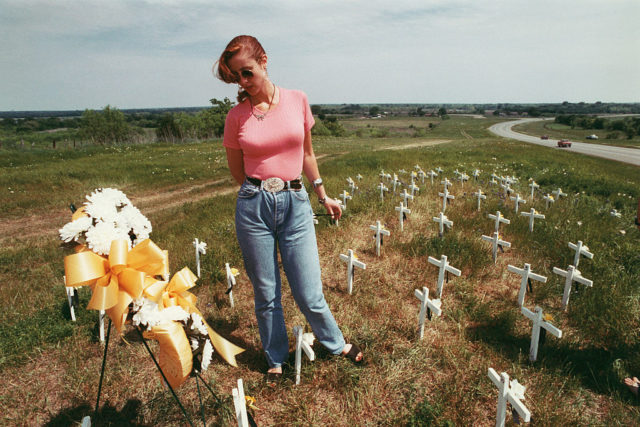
(267, 137)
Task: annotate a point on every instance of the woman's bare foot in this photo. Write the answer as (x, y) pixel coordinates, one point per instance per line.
(346, 350)
(633, 384)
(277, 370)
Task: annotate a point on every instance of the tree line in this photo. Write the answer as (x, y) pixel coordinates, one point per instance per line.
(630, 126)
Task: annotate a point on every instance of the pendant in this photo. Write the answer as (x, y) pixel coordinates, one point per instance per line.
(260, 117)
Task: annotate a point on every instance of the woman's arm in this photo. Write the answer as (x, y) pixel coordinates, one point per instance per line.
(236, 164)
(310, 168)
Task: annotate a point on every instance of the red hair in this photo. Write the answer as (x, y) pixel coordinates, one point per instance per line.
(240, 43)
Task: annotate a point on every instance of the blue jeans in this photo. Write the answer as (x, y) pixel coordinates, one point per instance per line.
(265, 222)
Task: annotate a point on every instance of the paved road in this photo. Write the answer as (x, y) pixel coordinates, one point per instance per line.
(621, 154)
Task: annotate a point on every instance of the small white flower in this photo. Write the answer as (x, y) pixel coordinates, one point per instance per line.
(100, 236)
(623, 232)
(198, 324)
(207, 353)
(72, 230)
(579, 222)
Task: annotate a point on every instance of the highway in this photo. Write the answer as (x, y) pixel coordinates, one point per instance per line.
(620, 154)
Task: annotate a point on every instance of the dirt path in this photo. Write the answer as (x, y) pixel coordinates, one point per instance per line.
(414, 145)
(47, 224)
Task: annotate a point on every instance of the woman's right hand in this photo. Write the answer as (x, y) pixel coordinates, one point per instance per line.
(333, 208)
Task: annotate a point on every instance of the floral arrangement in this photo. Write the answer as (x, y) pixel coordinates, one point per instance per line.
(107, 215)
(129, 277)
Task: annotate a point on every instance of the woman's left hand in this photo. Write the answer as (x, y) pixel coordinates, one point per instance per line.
(333, 208)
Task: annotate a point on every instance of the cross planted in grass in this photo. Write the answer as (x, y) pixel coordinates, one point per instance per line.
(540, 325)
(571, 274)
(380, 231)
(533, 215)
(527, 276)
(508, 392)
(442, 220)
(352, 262)
(444, 268)
(427, 307)
(496, 243)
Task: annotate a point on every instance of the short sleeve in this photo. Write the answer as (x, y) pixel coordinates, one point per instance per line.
(230, 139)
(309, 121)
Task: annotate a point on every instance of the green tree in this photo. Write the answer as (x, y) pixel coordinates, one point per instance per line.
(213, 119)
(442, 113)
(106, 126)
(168, 129)
(374, 111)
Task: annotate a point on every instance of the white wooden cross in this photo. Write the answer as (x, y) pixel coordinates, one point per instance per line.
(201, 249)
(517, 200)
(538, 322)
(480, 196)
(382, 174)
(413, 189)
(101, 316)
(388, 177)
(231, 281)
(463, 177)
(532, 214)
(615, 213)
(406, 196)
(558, 193)
(345, 196)
(240, 405)
(359, 177)
(571, 274)
(71, 295)
(303, 343)
(315, 219)
(498, 218)
(493, 181)
(431, 174)
(421, 175)
(507, 188)
(352, 261)
(457, 173)
(533, 186)
(476, 174)
(402, 210)
(402, 171)
(446, 183)
(580, 250)
(511, 392)
(442, 220)
(444, 266)
(396, 183)
(527, 276)
(496, 242)
(445, 196)
(548, 198)
(380, 231)
(427, 306)
(382, 189)
(439, 169)
(417, 167)
(352, 186)
(413, 175)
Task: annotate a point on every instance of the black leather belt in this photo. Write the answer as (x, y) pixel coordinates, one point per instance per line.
(275, 184)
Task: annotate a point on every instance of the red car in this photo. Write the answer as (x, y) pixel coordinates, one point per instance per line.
(564, 143)
(544, 137)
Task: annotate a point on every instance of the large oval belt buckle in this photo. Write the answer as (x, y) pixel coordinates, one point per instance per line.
(273, 185)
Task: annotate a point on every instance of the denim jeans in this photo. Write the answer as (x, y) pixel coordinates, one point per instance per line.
(266, 222)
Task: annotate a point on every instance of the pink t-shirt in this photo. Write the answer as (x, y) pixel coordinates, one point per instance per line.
(272, 147)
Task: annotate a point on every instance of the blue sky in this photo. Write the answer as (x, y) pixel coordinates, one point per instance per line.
(72, 54)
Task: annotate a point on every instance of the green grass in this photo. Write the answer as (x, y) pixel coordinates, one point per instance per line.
(559, 131)
(441, 380)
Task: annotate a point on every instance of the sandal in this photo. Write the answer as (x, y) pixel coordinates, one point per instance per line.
(352, 354)
(273, 378)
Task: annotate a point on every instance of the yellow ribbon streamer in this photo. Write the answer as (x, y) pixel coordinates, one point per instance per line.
(129, 274)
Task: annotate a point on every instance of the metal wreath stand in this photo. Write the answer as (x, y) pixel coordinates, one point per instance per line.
(175, 396)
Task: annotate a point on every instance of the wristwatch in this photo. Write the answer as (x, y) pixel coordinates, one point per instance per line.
(317, 183)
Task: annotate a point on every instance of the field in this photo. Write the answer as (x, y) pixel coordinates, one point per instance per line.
(50, 366)
(559, 131)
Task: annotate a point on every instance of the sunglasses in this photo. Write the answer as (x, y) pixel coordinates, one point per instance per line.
(246, 74)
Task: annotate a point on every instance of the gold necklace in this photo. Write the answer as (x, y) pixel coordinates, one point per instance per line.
(261, 117)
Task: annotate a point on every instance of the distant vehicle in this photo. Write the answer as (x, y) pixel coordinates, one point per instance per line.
(593, 136)
(544, 137)
(564, 143)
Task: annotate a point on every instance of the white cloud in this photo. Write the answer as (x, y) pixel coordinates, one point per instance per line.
(77, 54)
